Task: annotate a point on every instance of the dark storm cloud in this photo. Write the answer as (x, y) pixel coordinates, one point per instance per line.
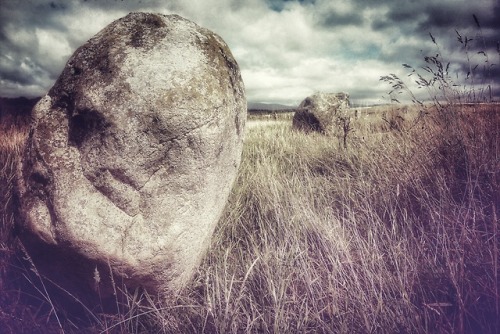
(21, 63)
(122, 4)
(36, 39)
(431, 16)
(333, 19)
(439, 16)
(279, 5)
(286, 49)
(492, 21)
(443, 20)
(30, 14)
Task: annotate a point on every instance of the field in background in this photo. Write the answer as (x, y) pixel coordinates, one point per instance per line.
(398, 233)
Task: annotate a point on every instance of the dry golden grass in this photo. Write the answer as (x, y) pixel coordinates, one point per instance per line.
(396, 234)
(12, 140)
(375, 238)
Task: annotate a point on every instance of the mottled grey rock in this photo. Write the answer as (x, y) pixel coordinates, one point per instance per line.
(321, 112)
(134, 150)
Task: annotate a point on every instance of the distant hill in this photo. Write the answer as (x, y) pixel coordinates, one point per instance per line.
(15, 112)
(16, 106)
(268, 106)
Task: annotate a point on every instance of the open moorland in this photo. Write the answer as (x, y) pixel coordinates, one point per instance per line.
(397, 232)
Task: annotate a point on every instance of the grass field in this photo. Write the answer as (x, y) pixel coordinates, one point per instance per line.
(397, 233)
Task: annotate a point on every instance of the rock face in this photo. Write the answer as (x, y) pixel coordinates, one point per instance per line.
(321, 111)
(133, 153)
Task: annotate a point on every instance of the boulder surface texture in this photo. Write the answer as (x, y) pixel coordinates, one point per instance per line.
(133, 153)
(321, 112)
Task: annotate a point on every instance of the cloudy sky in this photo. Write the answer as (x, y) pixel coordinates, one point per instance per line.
(286, 49)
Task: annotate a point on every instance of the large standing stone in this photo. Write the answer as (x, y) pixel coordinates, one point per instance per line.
(133, 153)
(321, 112)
